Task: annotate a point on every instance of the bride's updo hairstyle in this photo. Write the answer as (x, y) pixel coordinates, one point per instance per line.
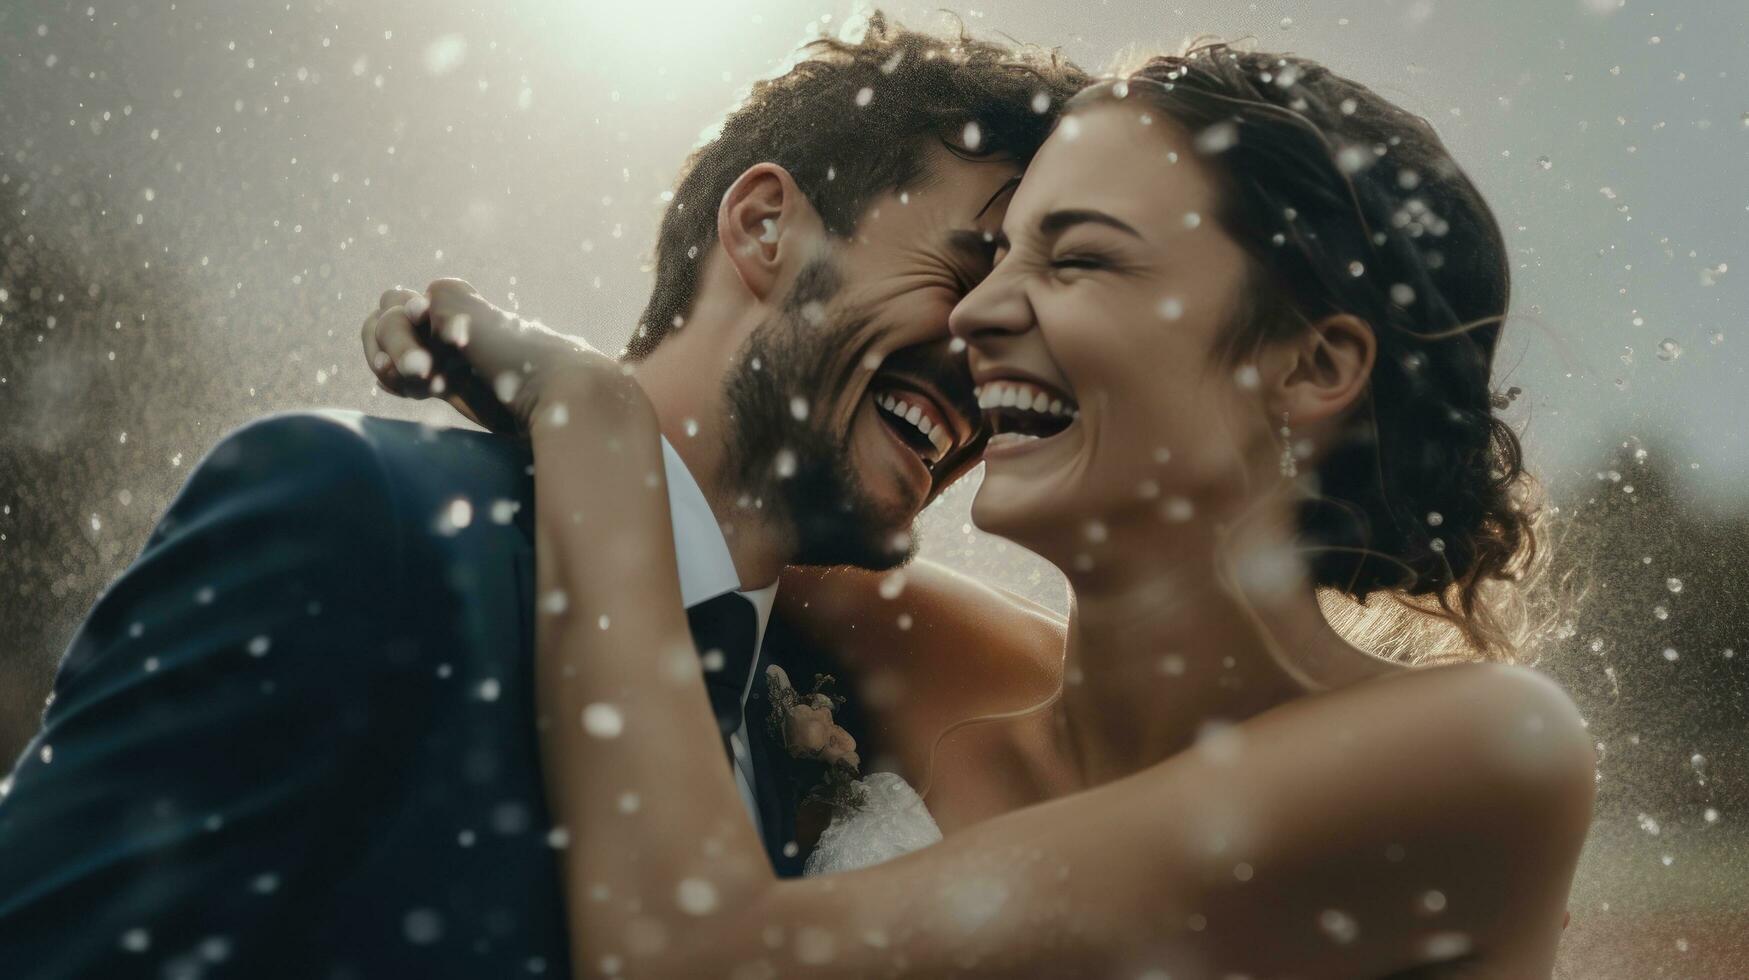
(1345, 203)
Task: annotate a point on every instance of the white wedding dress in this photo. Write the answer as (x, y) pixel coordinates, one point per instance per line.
(892, 821)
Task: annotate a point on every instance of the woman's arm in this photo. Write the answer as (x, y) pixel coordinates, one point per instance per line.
(1429, 815)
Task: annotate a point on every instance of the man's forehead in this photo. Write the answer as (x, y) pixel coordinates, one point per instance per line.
(957, 197)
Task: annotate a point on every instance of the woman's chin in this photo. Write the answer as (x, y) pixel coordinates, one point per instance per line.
(1007, 510)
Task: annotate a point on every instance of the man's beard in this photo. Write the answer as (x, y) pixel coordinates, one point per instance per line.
(801, 471)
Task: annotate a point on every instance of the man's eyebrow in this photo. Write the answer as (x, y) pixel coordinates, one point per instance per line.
(1058, 221)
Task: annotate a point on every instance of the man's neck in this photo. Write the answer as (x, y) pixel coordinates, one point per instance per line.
(688, 407)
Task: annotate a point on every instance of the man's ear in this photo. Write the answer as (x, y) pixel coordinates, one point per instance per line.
(763, 222)
(1326, 369)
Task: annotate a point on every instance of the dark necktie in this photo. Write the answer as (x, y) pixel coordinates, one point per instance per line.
(724, 630)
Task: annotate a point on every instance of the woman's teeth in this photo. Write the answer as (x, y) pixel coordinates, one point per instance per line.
(1002, 439)
(913, 414)
(1026, 397)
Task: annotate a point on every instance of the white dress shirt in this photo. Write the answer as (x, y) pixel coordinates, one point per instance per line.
(706, 571)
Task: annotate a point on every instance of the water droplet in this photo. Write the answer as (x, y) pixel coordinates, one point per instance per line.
(422, 926)
(603, 720)
(1352, 159)
(1219, 138)
(892, 585)
(459, 513)
(1669, 350)
(445, 54)
(973, 136)
(1443, 946)
(696, 896)
(815, 946)
(1339, 926)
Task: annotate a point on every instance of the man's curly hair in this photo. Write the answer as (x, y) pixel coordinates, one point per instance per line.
(854, 120)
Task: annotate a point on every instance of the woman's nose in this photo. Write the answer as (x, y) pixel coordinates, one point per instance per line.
(998, 305)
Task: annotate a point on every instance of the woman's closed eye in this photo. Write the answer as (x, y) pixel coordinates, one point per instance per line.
(1081, 260)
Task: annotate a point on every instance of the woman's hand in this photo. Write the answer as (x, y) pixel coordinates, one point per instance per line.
(492, 366)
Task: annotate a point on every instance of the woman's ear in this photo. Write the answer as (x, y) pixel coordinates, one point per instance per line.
(1331, 364)
(760, 223)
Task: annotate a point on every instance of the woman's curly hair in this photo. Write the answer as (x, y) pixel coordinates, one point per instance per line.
(1346, 203)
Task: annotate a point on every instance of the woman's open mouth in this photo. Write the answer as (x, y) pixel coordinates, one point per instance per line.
(1020, 413)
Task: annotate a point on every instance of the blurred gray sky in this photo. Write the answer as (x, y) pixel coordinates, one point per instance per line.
(333, 148)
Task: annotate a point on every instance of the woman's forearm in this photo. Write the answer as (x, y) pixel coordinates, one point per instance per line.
(660, 852)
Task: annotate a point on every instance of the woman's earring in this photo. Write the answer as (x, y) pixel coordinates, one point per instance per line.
(1289, 466)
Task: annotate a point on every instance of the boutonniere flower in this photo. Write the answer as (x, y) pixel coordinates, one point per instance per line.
(804, 723)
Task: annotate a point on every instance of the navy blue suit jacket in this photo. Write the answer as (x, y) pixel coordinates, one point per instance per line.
(295, 738)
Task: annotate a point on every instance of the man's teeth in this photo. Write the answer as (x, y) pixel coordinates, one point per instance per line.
(899, 407)
(1026, 397)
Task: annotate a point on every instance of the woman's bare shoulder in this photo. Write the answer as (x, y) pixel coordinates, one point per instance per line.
(1467, 787)
(924, 613)
(1509, 725)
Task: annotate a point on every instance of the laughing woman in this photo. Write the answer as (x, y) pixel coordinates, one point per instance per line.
(1236, 345)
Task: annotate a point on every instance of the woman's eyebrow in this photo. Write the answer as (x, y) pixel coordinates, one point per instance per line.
(1058, 221)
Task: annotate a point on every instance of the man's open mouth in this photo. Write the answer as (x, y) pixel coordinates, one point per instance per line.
(920, 418)
(1022, 411)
